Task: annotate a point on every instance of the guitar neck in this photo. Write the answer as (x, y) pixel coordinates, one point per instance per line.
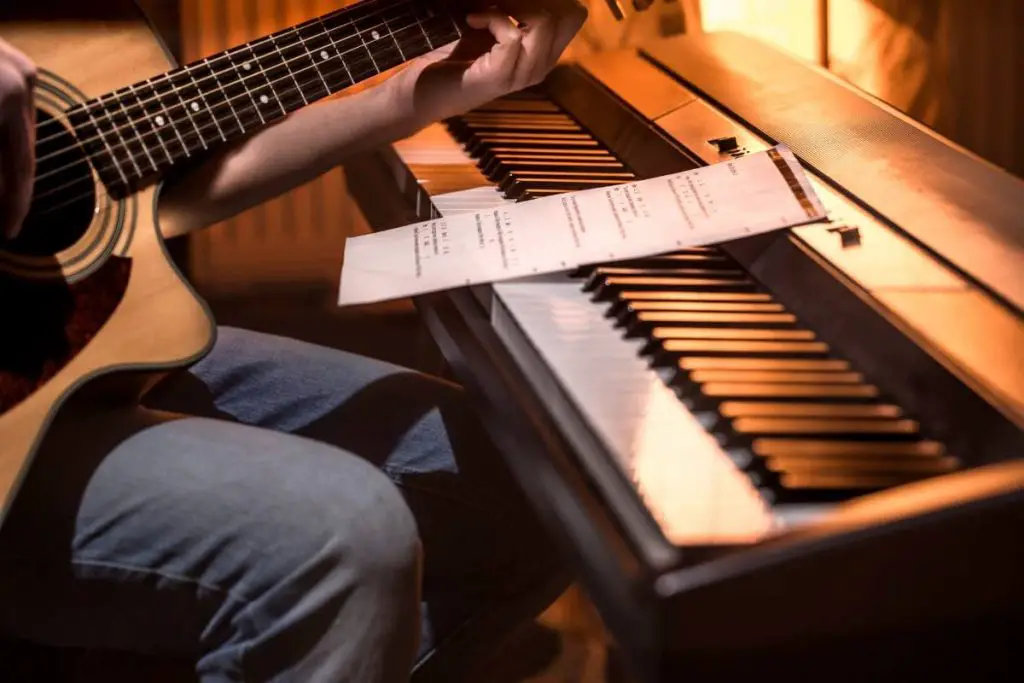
(138, 132)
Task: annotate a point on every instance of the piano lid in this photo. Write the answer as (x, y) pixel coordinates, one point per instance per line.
(966, 211)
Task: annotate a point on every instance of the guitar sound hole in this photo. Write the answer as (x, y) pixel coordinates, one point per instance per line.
(64, 196)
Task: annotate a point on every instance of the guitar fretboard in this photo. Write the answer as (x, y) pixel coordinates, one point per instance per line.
(140, 131)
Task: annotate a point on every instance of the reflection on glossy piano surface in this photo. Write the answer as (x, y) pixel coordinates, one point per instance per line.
(798, 453)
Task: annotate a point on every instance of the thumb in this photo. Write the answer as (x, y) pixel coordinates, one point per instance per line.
(495, 69)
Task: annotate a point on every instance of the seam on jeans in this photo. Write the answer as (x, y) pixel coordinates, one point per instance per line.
(146, 571)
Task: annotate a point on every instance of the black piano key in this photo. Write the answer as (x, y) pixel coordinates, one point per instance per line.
(525, 189)
(731, 409)
(630, 313)
(468, 132)
(915, 467)
(698, 363)
(529, 140)
(716, 414)
(701, 397)
(671, 351)
(500, 170)
(637, 308)
(479, 143)
(528, 177)
(599, 273)
(622, 302)
(673, 260)
(611, 287)
(775, 377)
(747, 429)
(828, 487)
(825, 447)
(659, 324)
(539, 192)
(490, 160)
(662, 335)
(540, 153)
(466, 128)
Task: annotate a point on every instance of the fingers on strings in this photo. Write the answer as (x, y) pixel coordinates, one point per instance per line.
(533, 33)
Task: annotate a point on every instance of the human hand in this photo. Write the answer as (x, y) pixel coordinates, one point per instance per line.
(492, 60)
(17, 138)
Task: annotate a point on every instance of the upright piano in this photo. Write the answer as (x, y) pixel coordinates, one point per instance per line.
(797, 454)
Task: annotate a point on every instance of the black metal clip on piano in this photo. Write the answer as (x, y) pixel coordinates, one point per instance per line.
(797, 454)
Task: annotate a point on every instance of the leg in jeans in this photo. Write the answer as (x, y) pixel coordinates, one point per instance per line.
(274, 554)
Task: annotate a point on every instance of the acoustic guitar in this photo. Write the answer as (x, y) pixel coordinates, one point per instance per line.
(92, 309)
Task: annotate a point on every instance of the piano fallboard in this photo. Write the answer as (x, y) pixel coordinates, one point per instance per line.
(676, 537)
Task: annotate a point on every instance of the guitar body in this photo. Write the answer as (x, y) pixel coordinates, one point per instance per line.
(92, 309)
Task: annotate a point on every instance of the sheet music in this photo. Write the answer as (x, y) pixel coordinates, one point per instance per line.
(725, 201)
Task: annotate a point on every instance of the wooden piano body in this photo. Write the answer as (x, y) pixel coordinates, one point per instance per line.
(697, 566)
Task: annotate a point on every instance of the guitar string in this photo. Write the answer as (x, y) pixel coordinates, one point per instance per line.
(228, 53)
(158, 99)
(206, 127)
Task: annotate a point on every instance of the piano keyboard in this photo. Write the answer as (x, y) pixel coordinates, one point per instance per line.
(729, 417)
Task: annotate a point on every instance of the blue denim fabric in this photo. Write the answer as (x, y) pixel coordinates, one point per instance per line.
(318, 516)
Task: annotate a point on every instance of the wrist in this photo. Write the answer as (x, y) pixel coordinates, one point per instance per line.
(405, 101)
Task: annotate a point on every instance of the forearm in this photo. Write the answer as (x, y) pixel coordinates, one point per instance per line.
(280, 157)
(493, 59)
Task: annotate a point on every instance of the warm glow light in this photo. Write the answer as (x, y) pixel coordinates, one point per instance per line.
(792, 25)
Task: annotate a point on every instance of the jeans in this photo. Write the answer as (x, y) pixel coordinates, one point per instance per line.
(309, 515)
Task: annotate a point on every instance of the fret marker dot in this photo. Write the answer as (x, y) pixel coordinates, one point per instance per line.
(324, 54)
(264, 99)
(160, 120)
(247, 66)
(375, 35)
(195, 106)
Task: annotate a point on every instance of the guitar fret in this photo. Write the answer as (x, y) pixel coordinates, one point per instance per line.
(287, 68)
(113, 127)
(218, 98)
(255, 82)
(419, 25)
(351, 49)
(373, 30)
(323, 51)
(337, 50)
(93, 140)
(198, 107)
(177, 114)
(437, 23)
(161, 117)
(278, 78)
(234, 93)
(145, 121)
(300, 62)
(362, 39)
(138, 140)
(237, 85)
(180, 104)
(391, 31)
(411, 35)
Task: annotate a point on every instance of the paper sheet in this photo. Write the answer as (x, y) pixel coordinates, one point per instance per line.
(754, 194)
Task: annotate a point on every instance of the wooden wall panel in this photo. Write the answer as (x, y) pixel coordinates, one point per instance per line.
(293, 242)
